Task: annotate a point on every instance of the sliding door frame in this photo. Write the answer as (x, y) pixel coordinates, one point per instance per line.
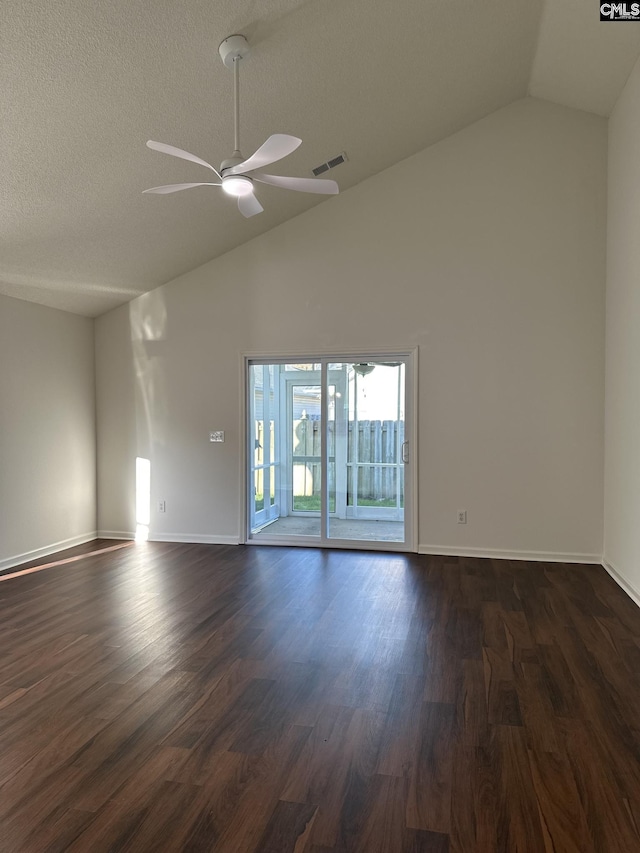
(410, 357)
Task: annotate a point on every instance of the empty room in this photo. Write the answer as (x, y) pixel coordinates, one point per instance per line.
(319, 405)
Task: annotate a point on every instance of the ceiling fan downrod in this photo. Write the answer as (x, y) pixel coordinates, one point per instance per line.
(232, 50)
(236, 106)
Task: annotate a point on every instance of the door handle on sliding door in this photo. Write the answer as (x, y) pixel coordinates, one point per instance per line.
(405, 452)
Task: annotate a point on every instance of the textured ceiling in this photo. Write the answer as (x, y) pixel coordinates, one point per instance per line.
(86, 84)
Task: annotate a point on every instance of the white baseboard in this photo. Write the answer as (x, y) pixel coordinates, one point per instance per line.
(618, 577)
(187, 538)
(195, 538)
(498, 554)
(115, 534)
(29, 556)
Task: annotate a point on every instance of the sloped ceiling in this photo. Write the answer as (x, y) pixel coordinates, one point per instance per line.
(86, 84)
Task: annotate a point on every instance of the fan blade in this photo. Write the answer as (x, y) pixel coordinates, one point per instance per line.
(248, 205)
(301, 185)
(178, 152)
(175, 188)
(275, 148)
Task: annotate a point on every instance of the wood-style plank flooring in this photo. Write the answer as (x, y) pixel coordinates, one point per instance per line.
(168, 697)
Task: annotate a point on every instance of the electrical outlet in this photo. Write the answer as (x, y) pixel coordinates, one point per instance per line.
(162, 506)
(216, 435)
(462, 516)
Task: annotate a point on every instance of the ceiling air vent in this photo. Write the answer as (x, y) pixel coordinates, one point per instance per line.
(330, 164)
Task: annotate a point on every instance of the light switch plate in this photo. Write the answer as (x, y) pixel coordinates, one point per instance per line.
(217, 435)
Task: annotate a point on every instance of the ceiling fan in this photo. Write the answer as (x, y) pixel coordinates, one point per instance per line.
(237, 174)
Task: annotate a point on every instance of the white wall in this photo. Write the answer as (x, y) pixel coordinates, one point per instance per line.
(486, 251)
(622, 470)
(47, 430)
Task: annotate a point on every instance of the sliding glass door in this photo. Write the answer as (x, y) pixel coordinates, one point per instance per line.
(328, 452)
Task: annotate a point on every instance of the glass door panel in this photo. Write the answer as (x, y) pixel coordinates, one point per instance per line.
(291, 472)
(374, 411)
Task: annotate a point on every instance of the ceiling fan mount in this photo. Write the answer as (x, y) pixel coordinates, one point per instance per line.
(237, 175)
(232, 48)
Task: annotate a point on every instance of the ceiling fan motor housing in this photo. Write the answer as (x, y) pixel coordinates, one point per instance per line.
(231, 161)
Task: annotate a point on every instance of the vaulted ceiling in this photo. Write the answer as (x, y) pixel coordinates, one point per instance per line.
(86, 84)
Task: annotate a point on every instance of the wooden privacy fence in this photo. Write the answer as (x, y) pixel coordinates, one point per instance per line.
(370, 445)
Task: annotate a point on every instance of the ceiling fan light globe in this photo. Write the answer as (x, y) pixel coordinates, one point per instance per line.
(237, 185)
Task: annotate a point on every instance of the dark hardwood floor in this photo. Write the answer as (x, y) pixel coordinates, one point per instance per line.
(167, 697)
